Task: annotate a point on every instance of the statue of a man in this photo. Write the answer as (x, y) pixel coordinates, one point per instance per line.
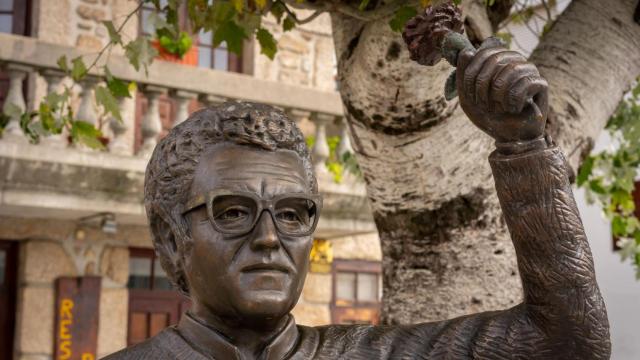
(232, 203)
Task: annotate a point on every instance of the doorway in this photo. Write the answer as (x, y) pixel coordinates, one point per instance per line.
(8, 271)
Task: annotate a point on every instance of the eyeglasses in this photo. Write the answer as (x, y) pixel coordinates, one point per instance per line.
(237, 213)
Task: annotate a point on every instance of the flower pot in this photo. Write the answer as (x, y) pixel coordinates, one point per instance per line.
(190, 58)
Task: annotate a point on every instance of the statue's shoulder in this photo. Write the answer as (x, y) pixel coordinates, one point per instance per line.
(165, 345)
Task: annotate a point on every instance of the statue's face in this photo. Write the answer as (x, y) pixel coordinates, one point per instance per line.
(258, 275)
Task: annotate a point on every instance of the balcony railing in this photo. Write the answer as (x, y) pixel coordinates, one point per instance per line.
(21, 57)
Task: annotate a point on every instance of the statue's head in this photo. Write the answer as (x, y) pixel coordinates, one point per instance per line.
(232, 202)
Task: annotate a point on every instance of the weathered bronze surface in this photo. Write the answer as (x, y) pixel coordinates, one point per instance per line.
(244, 267)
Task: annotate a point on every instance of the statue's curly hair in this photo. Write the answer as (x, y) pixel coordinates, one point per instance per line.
(171, 168)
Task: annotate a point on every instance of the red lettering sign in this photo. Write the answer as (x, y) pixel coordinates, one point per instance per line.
(77, 317)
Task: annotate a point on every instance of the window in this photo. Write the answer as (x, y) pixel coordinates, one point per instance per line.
(153, 304)
(210, 57)
(357, 292)
(219, 58)
(14, 16)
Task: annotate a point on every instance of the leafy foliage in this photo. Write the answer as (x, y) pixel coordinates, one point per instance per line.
(609, 177)
(337, 163)
(401, 17)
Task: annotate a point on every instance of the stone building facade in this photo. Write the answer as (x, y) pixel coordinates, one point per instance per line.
(68, 211)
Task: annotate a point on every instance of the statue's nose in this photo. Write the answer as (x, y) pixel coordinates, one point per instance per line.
(265, 234)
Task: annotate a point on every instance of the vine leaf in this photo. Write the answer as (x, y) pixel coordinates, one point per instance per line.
(114, 36)
(108, 102)
(63, 64)
(288, 24)
(117, 87)
(85, 133)
(140, 53)
(232, 34)
(78, 69)
(268, 44)
(401, 17)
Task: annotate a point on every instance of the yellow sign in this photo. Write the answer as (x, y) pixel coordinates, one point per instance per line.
(321, 256)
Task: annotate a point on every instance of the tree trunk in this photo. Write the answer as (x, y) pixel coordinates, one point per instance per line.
(446, 251)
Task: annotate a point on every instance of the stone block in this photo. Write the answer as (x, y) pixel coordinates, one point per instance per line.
(35, 318)
(89, 42)
(311, 314)
(317, 288)
(362, 247)
(33, 357)
(91, 13)
(112, 330)
(289, 60)
(294, 44)
(114, 264)
(44, 261)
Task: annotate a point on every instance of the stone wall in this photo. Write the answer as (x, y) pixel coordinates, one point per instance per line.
(50, 249)
(305, 55)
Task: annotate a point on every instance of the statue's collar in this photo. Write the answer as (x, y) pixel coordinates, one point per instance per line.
(218, 347)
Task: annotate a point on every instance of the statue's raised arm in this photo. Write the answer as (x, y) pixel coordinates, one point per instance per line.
(563, 314)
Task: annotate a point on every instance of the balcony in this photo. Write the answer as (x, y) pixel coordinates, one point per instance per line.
(56, 180)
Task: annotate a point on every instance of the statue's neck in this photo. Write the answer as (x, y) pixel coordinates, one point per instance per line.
(248, 335)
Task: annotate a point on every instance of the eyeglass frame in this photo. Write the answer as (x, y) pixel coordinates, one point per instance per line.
(263, 204)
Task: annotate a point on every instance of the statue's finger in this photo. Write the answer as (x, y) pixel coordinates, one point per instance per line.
(524, 90)
(492, 42)
(472, 71)
(506, 78)
(492, 67)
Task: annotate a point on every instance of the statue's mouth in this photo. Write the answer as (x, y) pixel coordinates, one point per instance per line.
(266, 267)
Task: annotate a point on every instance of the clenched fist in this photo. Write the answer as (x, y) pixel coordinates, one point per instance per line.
(502, 94)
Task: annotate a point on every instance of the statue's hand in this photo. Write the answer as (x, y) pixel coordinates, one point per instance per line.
(502, 94)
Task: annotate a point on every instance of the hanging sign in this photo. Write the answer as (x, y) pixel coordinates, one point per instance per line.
(77, 316)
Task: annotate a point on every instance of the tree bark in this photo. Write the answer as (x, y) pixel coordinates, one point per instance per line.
(446, 250)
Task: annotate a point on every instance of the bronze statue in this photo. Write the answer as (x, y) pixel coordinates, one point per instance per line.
(232, 202)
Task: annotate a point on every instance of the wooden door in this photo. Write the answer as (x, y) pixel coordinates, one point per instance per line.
(8, 267)
(153, 304)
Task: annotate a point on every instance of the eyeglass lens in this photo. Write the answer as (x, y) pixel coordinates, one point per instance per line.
(237, 213)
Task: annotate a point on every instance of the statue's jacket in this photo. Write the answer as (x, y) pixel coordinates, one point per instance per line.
(562, 315)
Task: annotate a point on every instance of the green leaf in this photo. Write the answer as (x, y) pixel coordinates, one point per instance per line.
(232, 34)
(268, 44)
(79, 69)
(238, 5)
(108, 102)
(85, 133)
(288, 24)
(585, 170)
(46, 117)
(140, 53)
(26, 120)
(401, 17)
(596, 186)
(220, 13)
(278, 10)
(63, 64)
(117, 87)
(363, 5)
(250, 22)
(114, 36)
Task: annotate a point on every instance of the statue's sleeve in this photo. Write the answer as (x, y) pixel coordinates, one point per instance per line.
(563, 311)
